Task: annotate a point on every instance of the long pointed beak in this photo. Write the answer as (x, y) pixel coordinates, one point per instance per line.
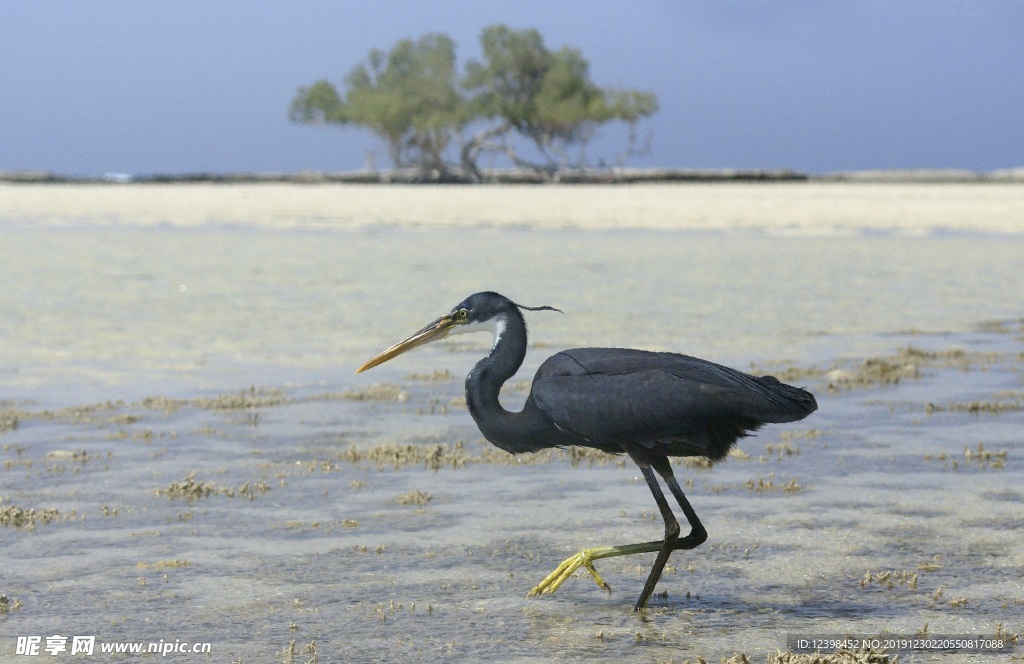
(439, 329)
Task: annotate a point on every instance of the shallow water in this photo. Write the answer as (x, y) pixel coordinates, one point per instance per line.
(96, 313)
(227, 356)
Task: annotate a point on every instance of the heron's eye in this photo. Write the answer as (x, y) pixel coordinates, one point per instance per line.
(463, 313)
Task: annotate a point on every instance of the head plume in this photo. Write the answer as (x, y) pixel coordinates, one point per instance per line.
(543, 308)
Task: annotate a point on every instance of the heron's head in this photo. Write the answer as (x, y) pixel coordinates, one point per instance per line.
(480, 312)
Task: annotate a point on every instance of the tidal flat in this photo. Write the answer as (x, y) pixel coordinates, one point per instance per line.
(185, 452)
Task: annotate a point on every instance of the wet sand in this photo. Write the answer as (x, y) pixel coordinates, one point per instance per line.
(186, 454)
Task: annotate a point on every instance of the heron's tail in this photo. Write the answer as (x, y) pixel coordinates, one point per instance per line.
(792, 403)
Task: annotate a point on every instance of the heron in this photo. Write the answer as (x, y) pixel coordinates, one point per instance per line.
(645, 404)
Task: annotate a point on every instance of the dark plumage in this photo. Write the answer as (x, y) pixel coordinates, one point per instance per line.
(648, 405)
(677, 405)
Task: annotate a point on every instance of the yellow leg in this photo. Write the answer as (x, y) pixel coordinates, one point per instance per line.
(585, 559)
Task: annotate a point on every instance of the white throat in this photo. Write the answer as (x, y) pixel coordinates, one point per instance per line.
(495, 326)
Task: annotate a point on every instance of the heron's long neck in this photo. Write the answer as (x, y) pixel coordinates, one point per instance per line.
(485, 380)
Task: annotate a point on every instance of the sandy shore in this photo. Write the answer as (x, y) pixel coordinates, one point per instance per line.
(802, 208)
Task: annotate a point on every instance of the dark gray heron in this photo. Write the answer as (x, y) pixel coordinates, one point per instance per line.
(649, 405)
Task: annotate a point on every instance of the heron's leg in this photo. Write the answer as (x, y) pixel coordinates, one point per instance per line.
(585, 558)
(697, 534)
(671, 532)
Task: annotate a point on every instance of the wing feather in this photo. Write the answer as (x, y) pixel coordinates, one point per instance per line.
(683, 404)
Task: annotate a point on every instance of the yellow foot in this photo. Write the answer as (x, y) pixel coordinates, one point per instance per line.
(582, 559)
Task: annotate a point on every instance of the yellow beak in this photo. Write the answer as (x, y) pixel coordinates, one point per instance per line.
(439, 329)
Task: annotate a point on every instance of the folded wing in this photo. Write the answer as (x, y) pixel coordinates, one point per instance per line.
(677, 404)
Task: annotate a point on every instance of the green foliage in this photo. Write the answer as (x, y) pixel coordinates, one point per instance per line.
(568, 103)
(630, 106)
(411, 98)
(408, 97)
(509, 80)
(318, 103)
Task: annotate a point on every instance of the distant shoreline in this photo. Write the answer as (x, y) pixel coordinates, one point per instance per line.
(575, 177)
(813, 207)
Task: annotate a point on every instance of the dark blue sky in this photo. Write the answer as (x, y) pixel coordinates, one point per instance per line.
(155, 86)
